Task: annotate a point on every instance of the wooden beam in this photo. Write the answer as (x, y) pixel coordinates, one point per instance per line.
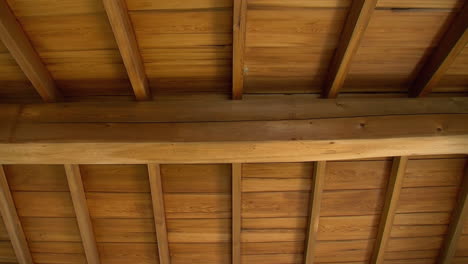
(314, 213)
(450, 46)
(78, 196)
(21, 49)
(228, 152)
(392, 196)
(12, 222)
(236, 212)
(459, 218)
(126, 40)
(154, 172)
(239, 30)
(358, 19)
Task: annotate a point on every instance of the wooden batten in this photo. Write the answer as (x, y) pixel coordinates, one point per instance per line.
(458, 220)
(450, 46)
(358, 19)
(236, 212)
(12, 222)
(314, 215)
(388, 214)
(239, 31)
(83, 218)
(21, 49)
(154, 172)
(126, 40)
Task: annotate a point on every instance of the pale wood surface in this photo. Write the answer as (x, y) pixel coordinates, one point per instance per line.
(355, 26)
(12, 224)
(157, 198)
(392, 196)
(18, 44)
(236, 212)
(83, 218)
(452, 43)
(126, 40)
(314, 214)
(456, 225)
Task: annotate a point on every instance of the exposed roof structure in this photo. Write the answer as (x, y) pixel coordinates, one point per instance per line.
(233, 131)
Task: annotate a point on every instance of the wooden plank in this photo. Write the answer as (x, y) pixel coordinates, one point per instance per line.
(19, 46)
(115, 178)
(451, 44)
(126, 40)
(459, 216)
(236, 212)
(314, 213)
(12, 222)
(82, 213)
(358, 19)
(223, 152)
(157, 198)
(388, 214)
(238, 46)
(253, 107)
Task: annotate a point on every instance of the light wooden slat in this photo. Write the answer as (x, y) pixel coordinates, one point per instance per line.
(18, 44)
(154, 172)
(82, 213)
(12, 222)
(388, 214)
(450, 46)
(458, 219)
(358, 19)
(236, 212)
(315, 203)
(126, 40)
(239, 33)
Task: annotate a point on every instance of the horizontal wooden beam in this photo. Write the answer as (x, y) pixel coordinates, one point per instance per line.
(228, 152)
(126, 40)
(12, 222)
(251, 108)
(21, 49)
(356, 24)
(451, 44)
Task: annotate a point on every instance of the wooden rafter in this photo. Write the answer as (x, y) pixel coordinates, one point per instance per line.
(78, 196)
(21, 49)
(154, 172)
(451, 44)
(459, 217)
(12, 222)
(236, 212)
(388, 214)
(239, 28)
(126, 40)
(314, 213)
(358, 19)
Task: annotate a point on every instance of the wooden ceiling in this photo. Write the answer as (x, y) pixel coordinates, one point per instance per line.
(106, 50)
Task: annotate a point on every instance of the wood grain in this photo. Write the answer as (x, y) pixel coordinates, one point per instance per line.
(12, 223)
(127, 43)
(318, 179)
(459, 217)
(83, 218)
(238, 46)
(236, 212)
(392, 196)
(18, 44)
(157, 198)
(355, 26)
(452, 43)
